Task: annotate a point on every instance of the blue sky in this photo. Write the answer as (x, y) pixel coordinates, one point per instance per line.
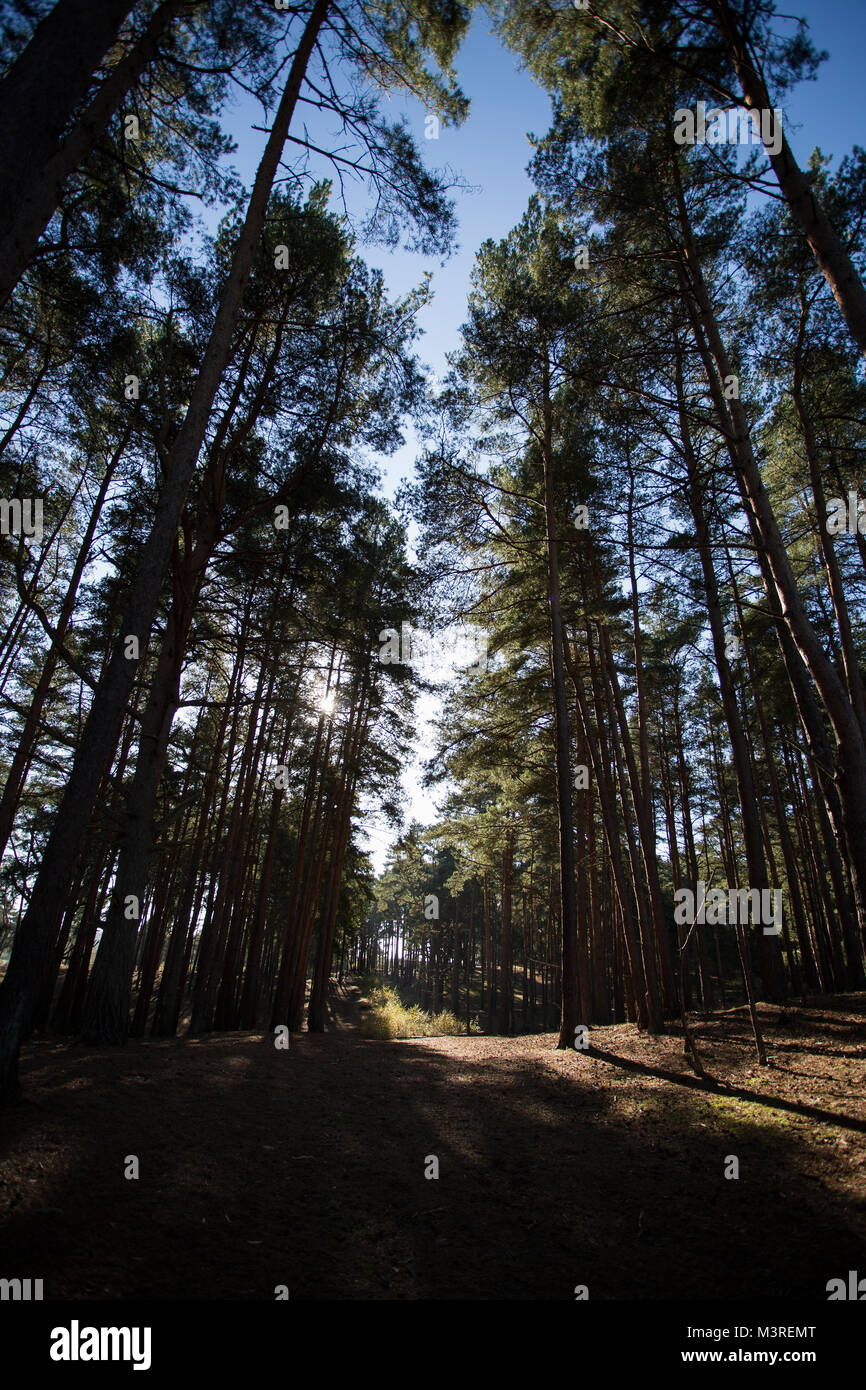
(490, 151)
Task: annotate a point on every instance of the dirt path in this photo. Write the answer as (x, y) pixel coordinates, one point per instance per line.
(342, 1009)
(306, 1167)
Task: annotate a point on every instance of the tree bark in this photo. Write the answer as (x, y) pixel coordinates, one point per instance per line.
(39, 175)
(35, 935)
(834, 261)
(571, 1001)
(850, 761)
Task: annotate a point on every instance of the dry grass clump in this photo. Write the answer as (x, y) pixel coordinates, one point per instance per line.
(388, 1018)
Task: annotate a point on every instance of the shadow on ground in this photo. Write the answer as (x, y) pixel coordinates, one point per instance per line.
(306, 1167)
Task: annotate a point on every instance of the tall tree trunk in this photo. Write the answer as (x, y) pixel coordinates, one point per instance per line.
(826, 545)
(22, 757)
(571, 1001)
(645, 816)
(44, 88)
(169, 998)
(506, 977)
(39, 172)
(647, 1004)
(836, 265)
(35, 936)
(772, 973)
(487, 972)
(850, 761)
(327, 927)
(106, 1012)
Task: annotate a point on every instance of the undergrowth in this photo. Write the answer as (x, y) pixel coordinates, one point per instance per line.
(388, 1017)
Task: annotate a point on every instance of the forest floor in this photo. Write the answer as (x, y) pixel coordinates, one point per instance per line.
(306, 1167)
